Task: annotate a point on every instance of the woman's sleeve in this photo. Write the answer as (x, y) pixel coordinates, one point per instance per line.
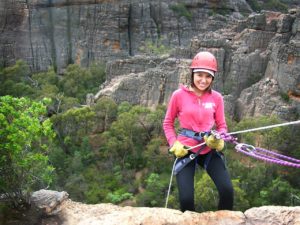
(221, 125)
(168, 123)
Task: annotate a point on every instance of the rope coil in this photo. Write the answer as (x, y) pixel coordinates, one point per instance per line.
(262, 154)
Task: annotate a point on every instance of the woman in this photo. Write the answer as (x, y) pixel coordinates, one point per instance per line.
(199, 109)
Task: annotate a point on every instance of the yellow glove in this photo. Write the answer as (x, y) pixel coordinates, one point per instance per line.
(179, 149)
(214, 143)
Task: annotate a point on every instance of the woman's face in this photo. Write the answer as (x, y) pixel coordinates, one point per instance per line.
(202, 80)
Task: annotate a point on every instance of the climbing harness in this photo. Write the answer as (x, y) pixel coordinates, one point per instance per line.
(192, 134)
(217, 135)
(183, 162)
(255, 152)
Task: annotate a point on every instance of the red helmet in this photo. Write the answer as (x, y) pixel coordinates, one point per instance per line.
(204, 60)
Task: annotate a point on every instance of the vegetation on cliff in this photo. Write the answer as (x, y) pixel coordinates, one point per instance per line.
(117, 153)
(25, 140)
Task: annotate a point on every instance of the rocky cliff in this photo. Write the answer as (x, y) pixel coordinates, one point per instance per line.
(258, 73)
(258, 54)
(59, 32)
(53, 207)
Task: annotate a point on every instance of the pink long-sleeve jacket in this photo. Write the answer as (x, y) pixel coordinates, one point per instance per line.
(197, 113)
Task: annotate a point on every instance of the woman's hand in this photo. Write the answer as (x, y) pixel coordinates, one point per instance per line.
(213, 142)
(178, 149)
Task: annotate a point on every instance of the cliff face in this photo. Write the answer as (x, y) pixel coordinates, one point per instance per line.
(59, 32)
(258, 55)
(61, 210)
(258, 70)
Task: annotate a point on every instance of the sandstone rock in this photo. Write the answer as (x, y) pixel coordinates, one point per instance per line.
(90, 99)
(263, 98)
(135, 64)
(273, 215)
(48, 201)
(285, 23)
(151, 87)
(245, 59)
(75, 213)
(60, 32)
(229, 102)
(257, 21)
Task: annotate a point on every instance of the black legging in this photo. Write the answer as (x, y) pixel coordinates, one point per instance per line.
(216, 169)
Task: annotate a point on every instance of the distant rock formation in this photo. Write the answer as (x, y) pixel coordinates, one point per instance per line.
(60, 32)
(251, 50)
(259, 68)
(68, 212)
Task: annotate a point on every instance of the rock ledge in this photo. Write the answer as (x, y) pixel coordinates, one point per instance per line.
(69, 212)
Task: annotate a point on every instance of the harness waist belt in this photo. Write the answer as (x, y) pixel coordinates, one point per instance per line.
(192, 134)
(182, 162)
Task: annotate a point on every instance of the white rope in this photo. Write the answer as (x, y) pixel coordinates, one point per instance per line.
(196, 146)
(266, 127)
(235, 132)
(252, 129)
(170, 184)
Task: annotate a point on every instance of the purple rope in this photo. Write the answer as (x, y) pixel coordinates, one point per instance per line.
(268, 156)
(254, 152)
(267, 159)
(279, 155)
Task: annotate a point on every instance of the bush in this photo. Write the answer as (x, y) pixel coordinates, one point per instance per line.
(156, 48)
(181, 10)
(24, 139)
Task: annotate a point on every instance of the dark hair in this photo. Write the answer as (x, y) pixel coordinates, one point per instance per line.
(193, 85)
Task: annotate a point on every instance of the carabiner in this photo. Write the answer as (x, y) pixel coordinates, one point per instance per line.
(245, 147)
(192, 156)
(215, 134)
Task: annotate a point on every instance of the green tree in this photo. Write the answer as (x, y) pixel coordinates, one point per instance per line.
(279, 192)
(77, 81)
(182, 11)
(207, 196)
(127, 137)
(98, 75)
(252, 175)
(46, 84)
(241, 202)
(48, 77)
(256, 177)
(155, 48)
(73, 82)
(124, 107)
(15, 80)
(254, 5)
(154, 194)
(255, 138)
(155, 118)
(275, 5)
(73, 125)
(106, 112)
(24, 143)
